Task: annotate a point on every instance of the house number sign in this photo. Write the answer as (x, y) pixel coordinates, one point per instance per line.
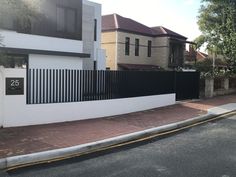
(14, 86)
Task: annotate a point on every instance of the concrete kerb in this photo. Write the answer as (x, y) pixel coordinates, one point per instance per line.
(48, 156)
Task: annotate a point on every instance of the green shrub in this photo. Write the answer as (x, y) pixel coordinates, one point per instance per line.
(221, 69)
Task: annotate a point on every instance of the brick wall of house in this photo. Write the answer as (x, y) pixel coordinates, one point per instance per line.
(109, 44)
(131, 58)
(159, 53)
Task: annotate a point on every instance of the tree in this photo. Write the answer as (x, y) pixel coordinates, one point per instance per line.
(16, 12)
(217, 21)
(24, 12)
(19, 8)
(200, 40)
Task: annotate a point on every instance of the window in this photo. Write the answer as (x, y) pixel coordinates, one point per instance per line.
(149, 48)
(176, 54)
(70, 20)
(95, 29)
(66, 20)
(136, 47)
(127, 44)
(13, 61)
(60, 19)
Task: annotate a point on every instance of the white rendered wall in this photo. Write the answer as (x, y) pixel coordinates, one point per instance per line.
(17, 113)
(13, 39)
(1, 94)
(12, 104)
(98, 54)
(88, 36)
(98, 16)
(54, 62)
(101, 63)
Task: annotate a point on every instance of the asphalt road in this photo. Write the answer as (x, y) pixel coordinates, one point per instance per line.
(203, 151)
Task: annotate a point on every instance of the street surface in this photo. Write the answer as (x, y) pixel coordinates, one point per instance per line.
(208, 150)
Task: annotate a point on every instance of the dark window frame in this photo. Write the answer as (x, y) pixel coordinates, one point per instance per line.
(136, 47)
(149, 48)
(66, 21)
(176, 52)
(95, 29)
(127, 46)
(59, 21)
(94, 65)
(71, 23)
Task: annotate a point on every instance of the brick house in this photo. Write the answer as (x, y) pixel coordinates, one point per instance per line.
(192, 56)
(201, 56)
(131, 45)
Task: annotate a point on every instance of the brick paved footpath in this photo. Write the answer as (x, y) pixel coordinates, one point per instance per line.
(31, 139)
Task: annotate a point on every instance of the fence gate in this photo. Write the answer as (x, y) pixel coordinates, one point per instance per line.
(187, 85)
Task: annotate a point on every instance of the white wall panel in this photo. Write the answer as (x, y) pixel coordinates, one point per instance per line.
(1, 94)
(25, 41)
(54, 62)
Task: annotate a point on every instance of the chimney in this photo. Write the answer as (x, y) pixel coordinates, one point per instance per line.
(191, 50)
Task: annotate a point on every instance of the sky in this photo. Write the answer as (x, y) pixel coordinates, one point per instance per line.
(177, 15)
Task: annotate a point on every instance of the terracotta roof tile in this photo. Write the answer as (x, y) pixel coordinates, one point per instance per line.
(116, 22)
(108, 22)
(160, 30)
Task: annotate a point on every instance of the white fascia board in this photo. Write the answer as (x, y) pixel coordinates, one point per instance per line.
(12, 39)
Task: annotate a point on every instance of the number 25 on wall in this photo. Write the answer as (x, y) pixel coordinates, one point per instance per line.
(14, 86)
(15, 83)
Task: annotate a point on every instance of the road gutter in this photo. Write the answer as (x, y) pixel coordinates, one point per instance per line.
(15, 162)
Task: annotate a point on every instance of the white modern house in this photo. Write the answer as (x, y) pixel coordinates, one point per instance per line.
(47, 70)
(65, 35)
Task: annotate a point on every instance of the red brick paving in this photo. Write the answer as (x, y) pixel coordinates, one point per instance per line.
(25, 140)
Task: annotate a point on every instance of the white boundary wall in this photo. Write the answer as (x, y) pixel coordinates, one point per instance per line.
(17, 113)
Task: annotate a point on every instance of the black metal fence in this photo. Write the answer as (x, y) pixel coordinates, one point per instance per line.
(232, 82)
(187, 85)
(218, 83)
(60, 86)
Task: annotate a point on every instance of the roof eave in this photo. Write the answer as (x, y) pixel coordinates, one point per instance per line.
(168, 35)
(145, 34)
(128, 31)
